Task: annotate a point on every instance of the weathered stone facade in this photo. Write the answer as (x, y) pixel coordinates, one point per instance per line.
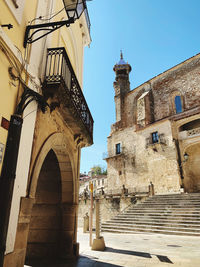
(157, 123)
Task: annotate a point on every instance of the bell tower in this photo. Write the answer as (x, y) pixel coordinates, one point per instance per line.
(121, 85)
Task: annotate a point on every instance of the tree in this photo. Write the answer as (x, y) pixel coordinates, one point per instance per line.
(98, 170)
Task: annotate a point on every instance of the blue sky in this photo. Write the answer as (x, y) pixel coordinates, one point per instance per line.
(154, 35)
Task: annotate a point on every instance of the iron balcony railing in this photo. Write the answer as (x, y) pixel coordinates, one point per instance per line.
(60, 71)
(113, 153)
(87, 19)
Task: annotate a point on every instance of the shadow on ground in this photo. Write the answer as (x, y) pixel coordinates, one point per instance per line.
(139, 254)
(82, 261)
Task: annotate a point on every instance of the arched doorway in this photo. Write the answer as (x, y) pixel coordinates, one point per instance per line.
(53, 186)
(192, 169)
(46, 218)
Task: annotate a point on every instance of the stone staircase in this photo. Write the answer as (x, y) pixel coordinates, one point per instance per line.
(175, 214)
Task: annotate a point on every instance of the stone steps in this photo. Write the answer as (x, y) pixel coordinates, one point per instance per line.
(154, 227)
(167, 214)
(158, 219)
(142, 230)
(153, 224)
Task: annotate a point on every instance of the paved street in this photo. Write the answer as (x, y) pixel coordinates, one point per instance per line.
(138, 250)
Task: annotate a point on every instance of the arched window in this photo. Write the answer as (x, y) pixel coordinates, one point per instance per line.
(178, 104)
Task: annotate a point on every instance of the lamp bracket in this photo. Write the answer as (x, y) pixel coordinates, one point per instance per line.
(27, 97)
(49, 27)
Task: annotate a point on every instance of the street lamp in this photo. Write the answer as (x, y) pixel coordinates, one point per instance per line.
(186, 156)
(73, 8)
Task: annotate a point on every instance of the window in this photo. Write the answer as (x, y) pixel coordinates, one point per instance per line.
(98, 182)
(118, 149)
(102, 181)
(155, 137)
(178, 104)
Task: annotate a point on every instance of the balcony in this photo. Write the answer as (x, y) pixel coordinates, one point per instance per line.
(87, 19)
(61, 85)
(190, 133)
(161, 141)
(112, 154)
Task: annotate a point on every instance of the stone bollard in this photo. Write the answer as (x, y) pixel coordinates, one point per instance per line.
(151, 190)
(86, 223)
(98, 243)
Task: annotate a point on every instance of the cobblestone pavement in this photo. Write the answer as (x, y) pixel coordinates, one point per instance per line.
(137, 250)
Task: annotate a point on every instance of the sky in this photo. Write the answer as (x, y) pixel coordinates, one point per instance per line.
(154, 36)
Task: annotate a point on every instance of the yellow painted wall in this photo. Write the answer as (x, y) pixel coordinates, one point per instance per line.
(16, 34)
(9, 88)
(71, 38)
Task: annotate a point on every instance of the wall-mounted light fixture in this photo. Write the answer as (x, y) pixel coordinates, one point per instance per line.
(73, 8)
(186, 156)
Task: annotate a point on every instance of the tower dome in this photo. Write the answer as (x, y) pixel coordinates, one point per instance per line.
(122, 67)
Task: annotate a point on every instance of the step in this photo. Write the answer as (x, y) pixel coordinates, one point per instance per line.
(180, 219)
(168, 224)
(155, 221)
(167, 205)
(161, 202)
(165, 212)
(143, 226)
(175, 209)
(138, 231)
(185, 196)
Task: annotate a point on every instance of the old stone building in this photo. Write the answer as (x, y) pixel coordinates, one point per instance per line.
(41, 62)
(156, 136)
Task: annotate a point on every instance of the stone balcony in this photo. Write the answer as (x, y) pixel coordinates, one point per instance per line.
(190, 133)
(112, 153)
(62, 87)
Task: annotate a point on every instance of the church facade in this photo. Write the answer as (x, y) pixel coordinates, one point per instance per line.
(156, 136)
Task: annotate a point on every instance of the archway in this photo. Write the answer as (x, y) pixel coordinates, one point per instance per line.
(192, 169)
(52, 232)
(46, 218)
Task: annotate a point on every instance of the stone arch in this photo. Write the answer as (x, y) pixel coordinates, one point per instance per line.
(64, 153)
(190, 125)
(191, 168)
(59, 155)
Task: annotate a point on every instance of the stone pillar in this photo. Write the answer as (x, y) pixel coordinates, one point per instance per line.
(68, 242)
(17, 257)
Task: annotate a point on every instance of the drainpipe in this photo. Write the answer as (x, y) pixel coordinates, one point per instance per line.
(8, 172)
(7, 179)
(179, 160)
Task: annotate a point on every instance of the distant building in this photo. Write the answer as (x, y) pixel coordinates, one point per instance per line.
(99, 184)
(156, 136)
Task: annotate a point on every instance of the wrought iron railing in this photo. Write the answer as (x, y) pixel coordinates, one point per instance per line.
(112, 153)
(60, 71)
(87, 19)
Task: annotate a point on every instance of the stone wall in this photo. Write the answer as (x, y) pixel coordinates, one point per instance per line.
(109, 207)
(151, 108)
(141, 163)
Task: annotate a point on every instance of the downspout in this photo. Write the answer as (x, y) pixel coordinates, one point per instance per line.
(179, 160)
(8, 172)
(7, 179)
